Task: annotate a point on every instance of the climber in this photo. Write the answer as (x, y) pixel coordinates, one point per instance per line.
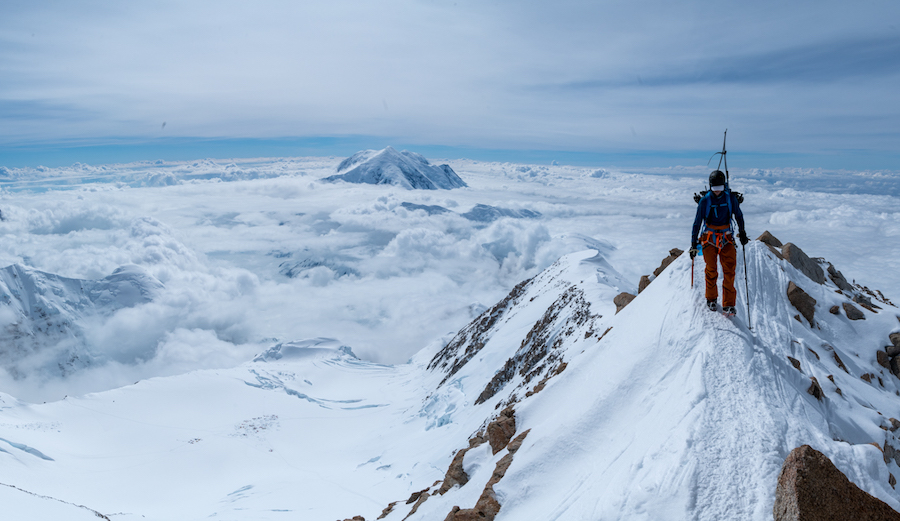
(714, 212)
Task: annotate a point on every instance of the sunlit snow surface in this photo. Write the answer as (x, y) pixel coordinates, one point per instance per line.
(253, 252)
(665, 411)
(260, 286)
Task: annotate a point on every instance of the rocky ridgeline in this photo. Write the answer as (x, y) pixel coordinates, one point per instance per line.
(816, 270)
(499, 434)
(811, 488)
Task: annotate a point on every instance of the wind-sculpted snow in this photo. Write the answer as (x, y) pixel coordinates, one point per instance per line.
(405, 169)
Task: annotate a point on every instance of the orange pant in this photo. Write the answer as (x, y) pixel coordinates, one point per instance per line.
(727, 254)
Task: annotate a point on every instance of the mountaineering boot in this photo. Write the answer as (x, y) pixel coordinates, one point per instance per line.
(729, 310)
(711, 304)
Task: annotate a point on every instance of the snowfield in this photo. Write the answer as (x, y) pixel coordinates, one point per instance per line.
(422, 327)
(663, 411)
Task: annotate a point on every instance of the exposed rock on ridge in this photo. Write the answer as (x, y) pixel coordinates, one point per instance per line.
(811, 488)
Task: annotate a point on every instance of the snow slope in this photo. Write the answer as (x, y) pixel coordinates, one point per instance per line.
(389, 167)
(662, 411)
(43, 316)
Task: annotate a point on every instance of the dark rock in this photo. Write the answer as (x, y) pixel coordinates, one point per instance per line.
(795, 363)
(674, 253)
(642, 285)
(895, 424)
(455, 475)
(804, 303)
(895, 339)
(811, 488)
(865, 302)
(838, 279)
(769, 239)
(890, 453)
(839, 362)
(539, 352)
(387, 510)
(835, 310)
(776, 251)
(622, 300)
(793, 254)
(853, 313)
(895, 366)
(471, 339)
(420, 498)
(815, 389)
(892, 350)
(868, 377)
(501, 430)
(356, 518)
(883, 359)
(487, 506)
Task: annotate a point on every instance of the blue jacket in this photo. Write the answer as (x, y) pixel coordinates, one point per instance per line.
(717, 208)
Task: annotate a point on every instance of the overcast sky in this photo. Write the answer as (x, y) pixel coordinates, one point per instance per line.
(809, 83)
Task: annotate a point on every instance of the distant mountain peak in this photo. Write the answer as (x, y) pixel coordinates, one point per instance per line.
(388, 166)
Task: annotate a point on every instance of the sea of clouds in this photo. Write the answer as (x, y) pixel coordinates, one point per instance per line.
(255, 252)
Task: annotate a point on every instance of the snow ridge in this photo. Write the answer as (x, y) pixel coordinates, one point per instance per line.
(663, 411)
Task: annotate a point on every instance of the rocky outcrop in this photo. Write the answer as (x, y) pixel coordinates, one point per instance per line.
(769, 239)
(798, 259)
(622, 300)
(501, 430)
(838, 278)
(455, 475)
(487, 506)
(815, 389)
(852, 312)
(645, 281)
(539, 353)
(471, 339)
(892, 352)
(803, 302)
(811, 488)
(674, 253)
(773, 243)
(883, 359)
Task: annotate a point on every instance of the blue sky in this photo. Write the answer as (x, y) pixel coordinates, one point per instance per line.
(800, 84)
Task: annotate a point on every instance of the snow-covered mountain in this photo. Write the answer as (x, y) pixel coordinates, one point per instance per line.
(389, 167)
(43, 316)
(549, 405)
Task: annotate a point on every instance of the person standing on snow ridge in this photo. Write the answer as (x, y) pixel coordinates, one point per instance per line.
(717, 239)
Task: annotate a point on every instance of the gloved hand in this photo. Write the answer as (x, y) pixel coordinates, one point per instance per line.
(693, 251)
(743, 237)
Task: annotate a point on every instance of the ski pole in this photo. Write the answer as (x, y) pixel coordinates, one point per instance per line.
(746, 285)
